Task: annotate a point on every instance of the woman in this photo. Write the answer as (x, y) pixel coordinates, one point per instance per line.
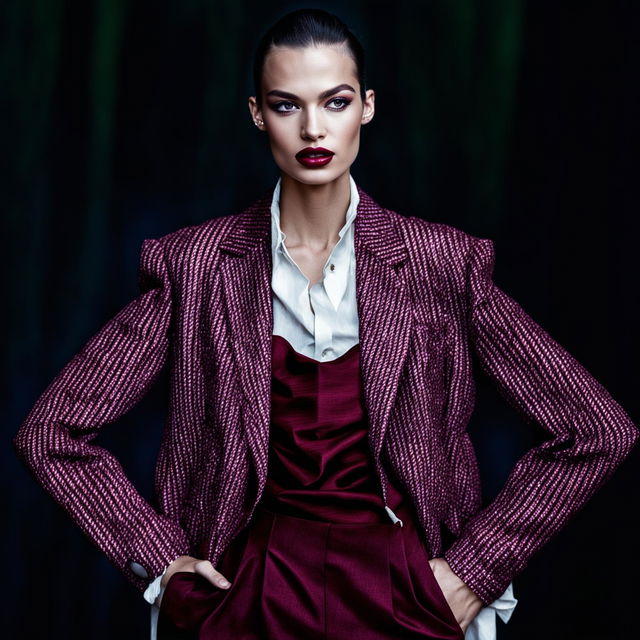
(315, 453)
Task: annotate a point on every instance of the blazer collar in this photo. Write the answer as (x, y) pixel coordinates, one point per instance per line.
(373, 229)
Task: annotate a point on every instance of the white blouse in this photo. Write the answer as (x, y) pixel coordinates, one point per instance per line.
(321, 322)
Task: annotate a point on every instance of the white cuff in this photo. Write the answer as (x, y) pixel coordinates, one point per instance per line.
(483, 626)
(154, 589)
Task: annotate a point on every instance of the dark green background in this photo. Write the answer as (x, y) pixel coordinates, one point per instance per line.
(511, 119)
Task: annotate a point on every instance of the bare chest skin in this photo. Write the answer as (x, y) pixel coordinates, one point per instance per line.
(310, 262)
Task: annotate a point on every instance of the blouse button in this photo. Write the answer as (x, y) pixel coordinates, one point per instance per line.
(332, 267)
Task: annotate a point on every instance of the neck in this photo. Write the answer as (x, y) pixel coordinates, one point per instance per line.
(312, 214)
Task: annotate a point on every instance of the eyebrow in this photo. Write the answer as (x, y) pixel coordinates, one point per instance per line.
(322, 96)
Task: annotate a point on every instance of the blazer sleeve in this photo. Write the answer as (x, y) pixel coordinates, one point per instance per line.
(109, 375)
(590, 435)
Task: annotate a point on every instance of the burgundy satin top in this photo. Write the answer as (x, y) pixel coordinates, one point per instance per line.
(306, 579)
(319, 461)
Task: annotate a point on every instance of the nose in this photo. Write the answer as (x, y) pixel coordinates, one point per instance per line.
(312, 126)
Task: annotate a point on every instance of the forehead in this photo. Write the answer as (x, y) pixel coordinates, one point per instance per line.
(308, 69)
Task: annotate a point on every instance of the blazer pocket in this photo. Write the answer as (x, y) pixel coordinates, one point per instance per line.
(428, 340)
(429, 368)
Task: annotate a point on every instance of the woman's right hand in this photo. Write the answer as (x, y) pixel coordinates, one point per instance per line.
(194, 565)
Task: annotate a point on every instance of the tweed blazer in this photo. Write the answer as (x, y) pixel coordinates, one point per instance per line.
(426, 303)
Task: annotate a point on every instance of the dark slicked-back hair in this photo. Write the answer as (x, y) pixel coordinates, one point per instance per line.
(305, 28)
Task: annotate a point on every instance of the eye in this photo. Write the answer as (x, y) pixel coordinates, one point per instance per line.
(345, 103)
(277, 106)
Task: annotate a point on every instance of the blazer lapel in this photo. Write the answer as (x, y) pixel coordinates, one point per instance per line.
(246, 283)
(384, 310)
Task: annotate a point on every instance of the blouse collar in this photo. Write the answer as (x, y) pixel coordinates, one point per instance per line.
(278, 236)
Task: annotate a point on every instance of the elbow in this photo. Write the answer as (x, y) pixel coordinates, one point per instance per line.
(628, 434)
(610, 443)
(617, 441)
(42, 445)
(29, 445)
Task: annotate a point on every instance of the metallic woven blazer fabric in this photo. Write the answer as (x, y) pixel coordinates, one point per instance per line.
(426, 303)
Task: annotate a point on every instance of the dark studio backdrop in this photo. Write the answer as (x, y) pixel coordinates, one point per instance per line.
(511, 119)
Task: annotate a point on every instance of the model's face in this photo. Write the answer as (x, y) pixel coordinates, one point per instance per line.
(311, 98)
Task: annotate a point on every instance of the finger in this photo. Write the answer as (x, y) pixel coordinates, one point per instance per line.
(206, 569)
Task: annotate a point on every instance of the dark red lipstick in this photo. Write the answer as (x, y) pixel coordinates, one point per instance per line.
(314, 157)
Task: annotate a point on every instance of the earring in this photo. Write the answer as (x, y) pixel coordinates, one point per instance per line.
(258, 123)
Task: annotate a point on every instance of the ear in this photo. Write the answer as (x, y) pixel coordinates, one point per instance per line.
(369, 106)
(256, 113)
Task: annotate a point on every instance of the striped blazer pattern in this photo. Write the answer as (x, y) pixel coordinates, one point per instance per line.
(426, 303)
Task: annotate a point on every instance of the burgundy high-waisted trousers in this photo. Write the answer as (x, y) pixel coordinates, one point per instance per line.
(320, 559)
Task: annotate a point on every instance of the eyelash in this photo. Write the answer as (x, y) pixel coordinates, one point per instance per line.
(276, 106)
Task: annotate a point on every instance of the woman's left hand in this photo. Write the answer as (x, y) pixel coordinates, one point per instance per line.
(464, 603)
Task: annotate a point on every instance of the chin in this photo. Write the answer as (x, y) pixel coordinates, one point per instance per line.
(315, 176)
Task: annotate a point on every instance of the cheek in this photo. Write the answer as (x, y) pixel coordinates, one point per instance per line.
(351, 129)
(351, 135)
(279, 139)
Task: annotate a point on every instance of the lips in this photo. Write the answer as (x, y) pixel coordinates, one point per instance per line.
(314, 156)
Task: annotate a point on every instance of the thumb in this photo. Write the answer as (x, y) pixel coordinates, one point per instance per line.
(206, 569)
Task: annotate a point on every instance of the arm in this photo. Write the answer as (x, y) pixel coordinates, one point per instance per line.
(590, 435)
(100, 384)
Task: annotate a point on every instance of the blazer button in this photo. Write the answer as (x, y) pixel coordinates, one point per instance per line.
(138, 569)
